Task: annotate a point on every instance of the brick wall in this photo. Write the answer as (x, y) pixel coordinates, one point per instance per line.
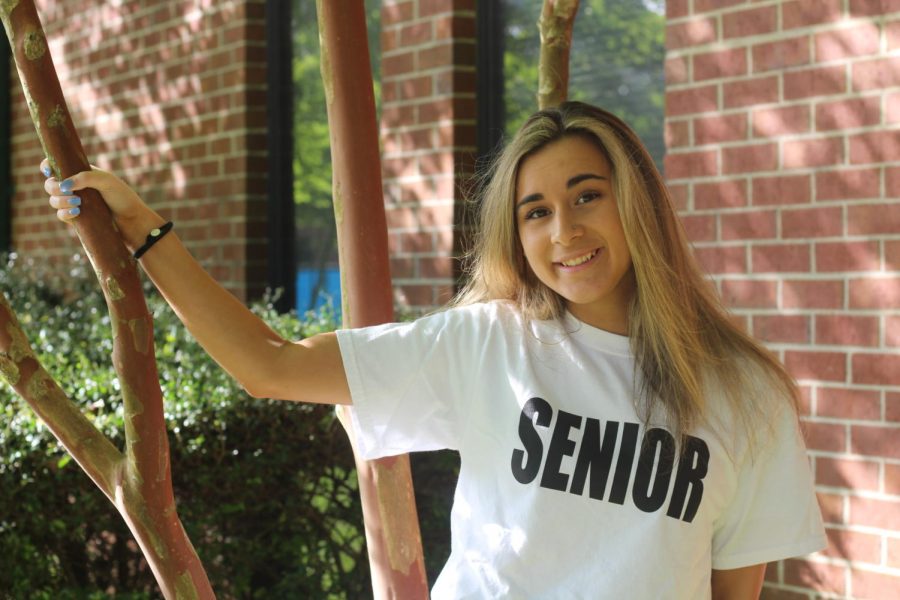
(171, 96)
(428, 133)
(783, 129)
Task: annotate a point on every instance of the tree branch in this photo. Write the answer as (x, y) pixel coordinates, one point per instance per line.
(556, 23)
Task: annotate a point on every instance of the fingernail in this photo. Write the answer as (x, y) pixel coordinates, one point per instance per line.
(74, 211)
(46, 171)
(74, 201)
(66, 186)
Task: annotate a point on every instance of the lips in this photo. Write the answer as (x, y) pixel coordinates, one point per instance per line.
(580, 259)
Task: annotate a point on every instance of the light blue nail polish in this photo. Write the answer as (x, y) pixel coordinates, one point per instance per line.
(74, 201)
(66, 186)
(46, 171)
(74, 211)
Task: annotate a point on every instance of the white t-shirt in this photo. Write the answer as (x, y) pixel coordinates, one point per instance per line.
(562, 492)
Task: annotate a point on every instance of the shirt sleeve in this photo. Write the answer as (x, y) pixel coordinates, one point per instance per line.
(774, 513)
(408, 382)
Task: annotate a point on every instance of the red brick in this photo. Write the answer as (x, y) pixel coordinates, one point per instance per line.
(720, 194)
(844, 403)
(874, 147)
(701, 6)
(873, 440)
(822, 366)
(687, 34)
(780, 258)
(847, 256)
(720, 128)
(750, 158)
(847, 114)
(869, 584)
(873, 8)
(786, 329)
(812, 153)
(819, 81)
(692, 100)
(454, 26)
(773, 122)
(781, 54)
(748, 225)
(722, 63)
(831, 505)
(691, 164)
(722, 259)
(877, 369)
(892, 113)
(893, 35)
(850, 184)
(803, 13)
(853, 474)
(678, 134)
(754, 21)
(676, 70)
(415, 34)
(868, 219)
(853, 545)
(892, 479)
(812, 294)
(699, 228)
(812, 222)
(748, 92)
(428, 8)
(878, 293)
(748, 293)
(679, 195)
(396, 12)
(825, 437)
(849, 42)
(676, 8)
(819, 576)
(397, 64)
(781, 189)
(876, 74)
(892, 331)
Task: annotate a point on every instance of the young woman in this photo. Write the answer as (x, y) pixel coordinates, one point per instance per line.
(620, 437)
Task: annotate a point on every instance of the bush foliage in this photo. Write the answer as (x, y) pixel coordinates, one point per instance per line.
(265, 489)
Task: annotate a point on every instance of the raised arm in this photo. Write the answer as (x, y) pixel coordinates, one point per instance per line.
(261, 361)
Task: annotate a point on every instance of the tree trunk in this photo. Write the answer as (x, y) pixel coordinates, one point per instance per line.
(392, 525)
(555, 24)
(138, 481)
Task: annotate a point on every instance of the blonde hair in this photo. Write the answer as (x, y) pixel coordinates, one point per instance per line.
(684, 342)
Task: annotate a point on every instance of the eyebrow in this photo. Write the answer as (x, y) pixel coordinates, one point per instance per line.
(572, 182)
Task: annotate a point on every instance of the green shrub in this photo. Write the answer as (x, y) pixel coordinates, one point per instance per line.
(266, 489)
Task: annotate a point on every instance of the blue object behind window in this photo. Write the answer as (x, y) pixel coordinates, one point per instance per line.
(308, 279)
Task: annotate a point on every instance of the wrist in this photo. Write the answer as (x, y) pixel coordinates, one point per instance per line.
(134, 229)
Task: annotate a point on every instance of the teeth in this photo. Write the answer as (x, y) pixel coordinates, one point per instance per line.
(580, 260)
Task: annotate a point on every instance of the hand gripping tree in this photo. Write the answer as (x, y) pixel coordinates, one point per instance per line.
(138, 479)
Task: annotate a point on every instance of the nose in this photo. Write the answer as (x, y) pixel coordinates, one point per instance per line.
(566, 228)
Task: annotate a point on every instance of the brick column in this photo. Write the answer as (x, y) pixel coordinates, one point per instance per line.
(783, 129)
(428, 133)
(170, 96)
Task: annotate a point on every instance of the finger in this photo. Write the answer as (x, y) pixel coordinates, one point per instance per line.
(67, 214)
(45, 168)
(64, 201)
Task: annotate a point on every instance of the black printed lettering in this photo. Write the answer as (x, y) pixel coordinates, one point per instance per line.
(623, 465)
(692, 468)
(533, 453)
(651, 486)
(595, 456)
(560, 445)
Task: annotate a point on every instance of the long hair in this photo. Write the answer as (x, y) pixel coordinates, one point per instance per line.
(684, 342)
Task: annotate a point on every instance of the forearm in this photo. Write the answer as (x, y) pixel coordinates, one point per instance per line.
(236, 338)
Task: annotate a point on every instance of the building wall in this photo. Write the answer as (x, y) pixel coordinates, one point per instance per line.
(171, 96)
(783, 130)
(428, 131)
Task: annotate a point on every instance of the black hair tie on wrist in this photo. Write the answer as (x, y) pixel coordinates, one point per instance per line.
(154, 236)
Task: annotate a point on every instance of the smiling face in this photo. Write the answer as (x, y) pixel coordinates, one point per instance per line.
(569, 227)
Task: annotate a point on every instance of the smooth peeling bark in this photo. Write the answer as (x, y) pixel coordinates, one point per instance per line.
(142, 489)
(392, 525)
(556, 23)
